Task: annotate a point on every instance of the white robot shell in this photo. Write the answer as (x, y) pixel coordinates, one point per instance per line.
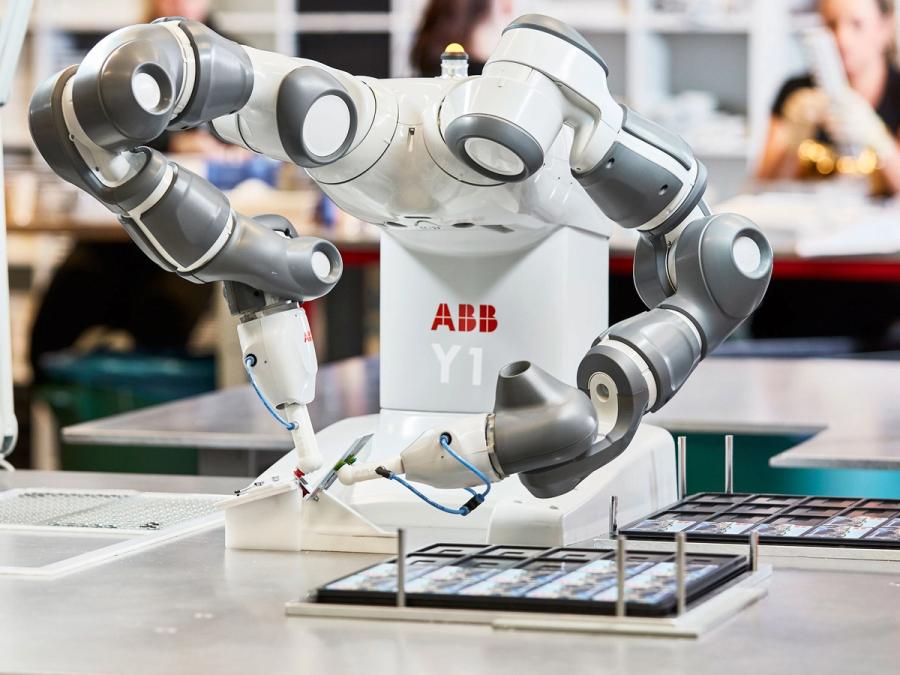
(430, 201)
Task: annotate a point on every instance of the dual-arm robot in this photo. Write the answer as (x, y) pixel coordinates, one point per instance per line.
(480, 140)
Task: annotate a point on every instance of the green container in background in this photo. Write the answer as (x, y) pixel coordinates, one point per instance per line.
(79, 388)
(752, 473)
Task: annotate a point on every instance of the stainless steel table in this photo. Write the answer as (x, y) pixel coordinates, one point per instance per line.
(850, 408)
(191, 606)
(234, 419)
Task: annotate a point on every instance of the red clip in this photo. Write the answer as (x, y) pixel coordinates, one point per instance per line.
(298, 474)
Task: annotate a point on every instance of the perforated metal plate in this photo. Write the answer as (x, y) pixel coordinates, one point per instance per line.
(46, 532)
(122, 511)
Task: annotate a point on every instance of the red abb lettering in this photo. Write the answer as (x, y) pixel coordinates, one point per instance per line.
(487, 318)
(466, 319)
(443, 318)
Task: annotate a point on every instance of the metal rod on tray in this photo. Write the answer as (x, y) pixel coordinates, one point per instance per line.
(613, 516)
(401, 567)
(729, 464)
(621, 540)
(680, 571)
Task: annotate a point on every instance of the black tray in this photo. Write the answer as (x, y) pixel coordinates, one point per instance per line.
(850, 522)
(536, 579)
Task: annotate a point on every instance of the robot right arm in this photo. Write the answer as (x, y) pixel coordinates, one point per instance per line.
(91, 122)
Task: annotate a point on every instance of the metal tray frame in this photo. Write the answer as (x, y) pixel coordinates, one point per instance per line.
(813, 511)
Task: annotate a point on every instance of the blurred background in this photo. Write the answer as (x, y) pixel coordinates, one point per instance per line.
(98, 330)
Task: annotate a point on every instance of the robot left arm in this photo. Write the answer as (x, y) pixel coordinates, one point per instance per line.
(701, 275)
(91, 122)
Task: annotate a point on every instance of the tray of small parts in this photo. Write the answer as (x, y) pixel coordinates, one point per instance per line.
(535, 579)
(779, 519)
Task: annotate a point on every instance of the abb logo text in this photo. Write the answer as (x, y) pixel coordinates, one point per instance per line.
(466, 320)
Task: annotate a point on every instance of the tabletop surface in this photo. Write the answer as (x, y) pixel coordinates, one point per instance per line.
(191, 606)
(849, 408)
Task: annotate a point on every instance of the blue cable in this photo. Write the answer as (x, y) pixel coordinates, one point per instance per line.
(445, 443)
(249, 362)
(462, 510)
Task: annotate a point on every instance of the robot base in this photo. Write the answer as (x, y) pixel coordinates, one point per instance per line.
(643, 479)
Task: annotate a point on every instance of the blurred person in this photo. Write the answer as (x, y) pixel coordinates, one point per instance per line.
(104, 291)
(804, 118)
(868, 117)
(475, 24)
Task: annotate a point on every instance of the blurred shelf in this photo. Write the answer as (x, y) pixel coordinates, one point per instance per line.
(680, 23)
(742, 154)
(345, 22)
(247, 22)
(95, 232)
(81, 24)
(96, 16)
(805, 20)
(111, 231)
(312, 22)
(589, 19)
